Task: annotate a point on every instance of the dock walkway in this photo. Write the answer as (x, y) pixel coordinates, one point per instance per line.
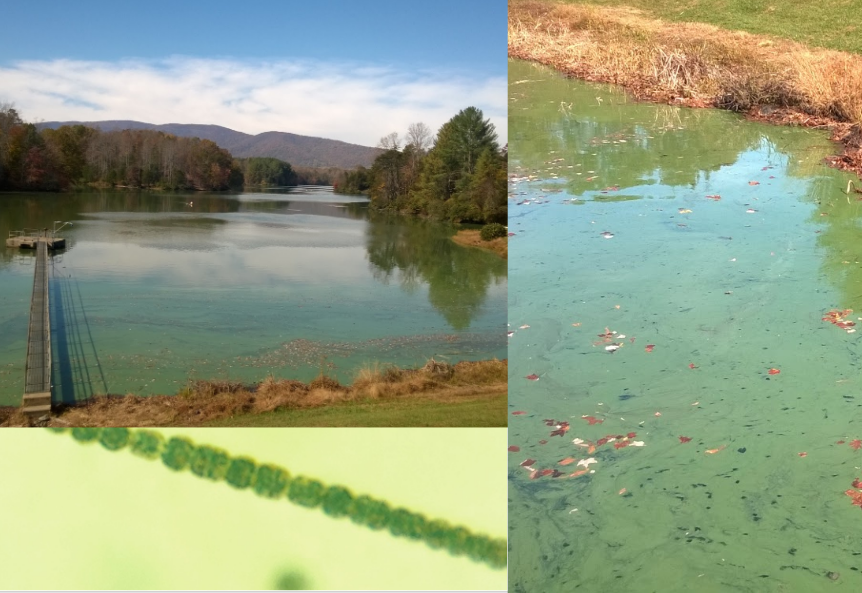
(37, 388)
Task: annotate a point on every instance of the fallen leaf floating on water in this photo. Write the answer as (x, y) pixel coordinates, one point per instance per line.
(684, 439)
(839, 442)
(592, 420)
(613, 347)
(773, 371)
(691, 365)
(580, 472)
(518, 413)
(578, 324)
(514, 448)
(751, 210)
(753, 183)
(637, 443)
(803, 454)
(855, 444)
(650, 347)
(684, 211)
(587, 462)
(510, 334)
(525, 326)
(657, 414)
(713, 451)
(715, 197)
(839, 319)
(622, 491)
(855, 495)
(567, 461)
(528, 462)
(631, 435)
(591, 178)
(857, 483)
(533, 377)
(607, 235)
(621, 444)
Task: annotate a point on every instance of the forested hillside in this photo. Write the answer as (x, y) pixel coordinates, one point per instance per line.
(461, 178)
(298, 150)
(76, 155)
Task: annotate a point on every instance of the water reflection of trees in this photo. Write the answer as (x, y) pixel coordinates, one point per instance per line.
(623, 143)
(414, 253)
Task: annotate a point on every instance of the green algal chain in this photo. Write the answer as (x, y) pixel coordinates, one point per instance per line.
(271, 481)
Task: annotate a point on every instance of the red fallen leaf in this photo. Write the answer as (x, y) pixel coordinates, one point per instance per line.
(534, 474)
(533, 377)
(543, 442)
(559, 432)
(691, 365)
(715, 197)
(684, 439)
(632, 339)
(855, 444)
(773, 371)
(621, 444)
(528, 462)
(556, 473)
(857, 483)
(631, 435)
(602, 441)
(546, 472)
(514, 448)
(592, 420)
(567, 461)
(839, 442)
(580, 472)
(649, 347)
(856, 495)
(803, 454)
(753, 183)
(518, 413)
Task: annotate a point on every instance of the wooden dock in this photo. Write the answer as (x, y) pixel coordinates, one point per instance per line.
(37, 388)
(30, 239)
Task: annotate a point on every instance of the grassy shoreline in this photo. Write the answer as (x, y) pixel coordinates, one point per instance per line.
(697, 65)
(473, 238)
(437, 390)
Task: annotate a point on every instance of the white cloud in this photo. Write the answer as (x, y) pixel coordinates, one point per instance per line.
(356, 103)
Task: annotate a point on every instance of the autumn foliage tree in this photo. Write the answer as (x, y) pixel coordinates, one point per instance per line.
(462, 178)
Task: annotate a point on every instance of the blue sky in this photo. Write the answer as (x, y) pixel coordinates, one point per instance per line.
(351, 70)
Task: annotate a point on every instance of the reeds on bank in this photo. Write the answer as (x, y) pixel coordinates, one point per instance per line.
(687, 63)
(203, 401)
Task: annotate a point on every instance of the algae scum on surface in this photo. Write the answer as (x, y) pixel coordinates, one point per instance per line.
(684, 370)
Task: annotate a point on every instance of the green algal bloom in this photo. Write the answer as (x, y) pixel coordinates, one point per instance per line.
(209, 462)
(240, 472)
(147, 444)
(114, 439)
(437, 533)
(305, 491)
(86, 435)
(271, 481)
(370, 512)
(177, 453)
(497, 553)
(337, 501)
(403, 523)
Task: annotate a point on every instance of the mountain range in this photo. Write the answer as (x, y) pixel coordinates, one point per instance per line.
(302, 151)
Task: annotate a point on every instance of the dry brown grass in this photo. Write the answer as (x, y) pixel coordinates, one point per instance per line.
(471, 238)
(688, 63)
(204, 401)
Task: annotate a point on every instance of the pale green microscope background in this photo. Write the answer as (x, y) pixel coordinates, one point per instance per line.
(80, 517)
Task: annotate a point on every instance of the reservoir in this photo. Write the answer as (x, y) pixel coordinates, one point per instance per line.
(155, 289)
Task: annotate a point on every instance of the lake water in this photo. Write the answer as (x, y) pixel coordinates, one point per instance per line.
(155, 289)
(705, 251)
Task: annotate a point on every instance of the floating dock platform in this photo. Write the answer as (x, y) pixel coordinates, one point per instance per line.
(30, 238)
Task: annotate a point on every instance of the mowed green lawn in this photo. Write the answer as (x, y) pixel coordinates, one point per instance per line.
(480, 411)
(833, 24)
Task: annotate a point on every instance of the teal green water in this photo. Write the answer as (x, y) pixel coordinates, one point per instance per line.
(731, 292)
(152, 291)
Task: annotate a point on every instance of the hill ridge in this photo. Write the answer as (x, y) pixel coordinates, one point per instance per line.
(296, 149)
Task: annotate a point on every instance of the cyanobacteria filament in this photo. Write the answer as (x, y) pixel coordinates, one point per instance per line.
(271, 481)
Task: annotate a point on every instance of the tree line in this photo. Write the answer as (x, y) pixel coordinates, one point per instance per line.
(459, 175)
(74, 156)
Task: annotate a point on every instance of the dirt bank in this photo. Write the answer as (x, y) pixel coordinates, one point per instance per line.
(471, 238)
(204, 401)
(698, 65)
